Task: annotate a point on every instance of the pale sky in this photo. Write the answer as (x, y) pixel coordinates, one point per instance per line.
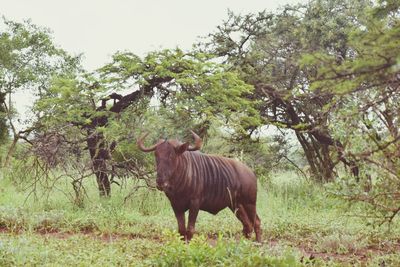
(99, 28)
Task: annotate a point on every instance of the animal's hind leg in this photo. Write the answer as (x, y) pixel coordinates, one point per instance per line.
(241, 214)
(257, 229)
(254, 220)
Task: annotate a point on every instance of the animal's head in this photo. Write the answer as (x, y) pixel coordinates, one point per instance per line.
(167, 154)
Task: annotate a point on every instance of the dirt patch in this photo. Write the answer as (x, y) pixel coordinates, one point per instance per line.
(110, 237)
(360, 255)
(105, 237)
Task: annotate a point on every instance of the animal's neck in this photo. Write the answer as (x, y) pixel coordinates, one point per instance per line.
(182, 169)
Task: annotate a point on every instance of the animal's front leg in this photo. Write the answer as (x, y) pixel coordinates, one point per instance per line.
(193, 212)
(180, 217)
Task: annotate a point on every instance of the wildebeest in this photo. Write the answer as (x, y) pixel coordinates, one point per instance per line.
(195, 181)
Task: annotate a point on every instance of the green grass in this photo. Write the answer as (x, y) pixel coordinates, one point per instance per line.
(301, 225)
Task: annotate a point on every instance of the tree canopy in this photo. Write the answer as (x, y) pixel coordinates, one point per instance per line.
(364, 109)
(28, 61)
(196, 89)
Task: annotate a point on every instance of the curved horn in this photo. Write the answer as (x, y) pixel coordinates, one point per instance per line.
(197, 142)
(141, 146)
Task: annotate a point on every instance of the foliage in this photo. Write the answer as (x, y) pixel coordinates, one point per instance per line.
(28, 61)
(364, 110)
(266, 49)
(191, 86)
(184, 86)
(29, 57)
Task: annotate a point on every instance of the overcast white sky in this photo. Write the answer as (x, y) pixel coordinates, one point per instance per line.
(99, 28)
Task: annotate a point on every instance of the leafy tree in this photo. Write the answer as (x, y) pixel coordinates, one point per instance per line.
(266, 50)
(28, 61)
(364, 109)
(188, 85)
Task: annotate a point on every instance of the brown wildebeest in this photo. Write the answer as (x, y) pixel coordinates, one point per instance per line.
(195, 181)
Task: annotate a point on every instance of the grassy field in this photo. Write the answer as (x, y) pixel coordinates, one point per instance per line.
(302, 226)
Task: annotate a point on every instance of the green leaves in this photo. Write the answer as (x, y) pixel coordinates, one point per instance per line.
(364, 110)
(374, 55)
(64, 102)
(29, 60)
(29, 57)
(184, 82)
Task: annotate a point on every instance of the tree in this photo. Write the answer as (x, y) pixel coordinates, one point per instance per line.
(364, 110)
(188, 83)
(266, 49)
(28, 61)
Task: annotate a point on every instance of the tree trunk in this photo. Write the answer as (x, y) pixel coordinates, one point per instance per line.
(99, 155)
(315, 141)
(103, 182)
(318, 157)
(10, 151)
(308, 153)
(98, 149)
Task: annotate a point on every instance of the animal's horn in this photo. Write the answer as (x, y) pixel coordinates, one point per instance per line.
(197, 142)
(141, 146)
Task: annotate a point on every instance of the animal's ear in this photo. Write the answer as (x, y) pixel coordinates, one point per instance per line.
(182, 148)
